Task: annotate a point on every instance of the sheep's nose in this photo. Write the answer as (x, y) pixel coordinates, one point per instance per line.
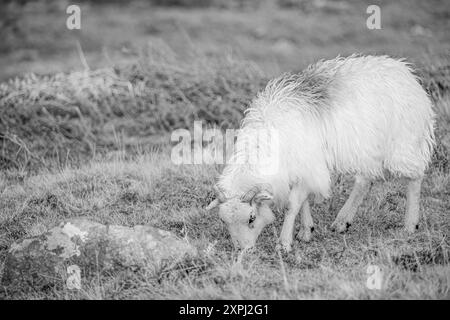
(242, 247)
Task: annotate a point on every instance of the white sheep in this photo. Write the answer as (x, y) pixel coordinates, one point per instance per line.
(364, 115)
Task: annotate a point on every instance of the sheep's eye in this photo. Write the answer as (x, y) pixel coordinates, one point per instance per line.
(250, 221)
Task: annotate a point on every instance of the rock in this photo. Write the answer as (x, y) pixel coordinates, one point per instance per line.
(79, 248)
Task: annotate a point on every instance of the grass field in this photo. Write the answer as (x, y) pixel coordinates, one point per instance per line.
(97, 144)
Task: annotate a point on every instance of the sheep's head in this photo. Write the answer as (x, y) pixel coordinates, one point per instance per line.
(245, 217)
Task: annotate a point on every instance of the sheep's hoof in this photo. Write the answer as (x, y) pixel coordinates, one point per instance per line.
(340, 227)
(305, 234)
(286, 247)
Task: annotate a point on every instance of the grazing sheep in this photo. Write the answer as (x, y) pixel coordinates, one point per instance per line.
(364, 115)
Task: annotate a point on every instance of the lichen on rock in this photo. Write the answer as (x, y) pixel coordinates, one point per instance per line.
(48, 259)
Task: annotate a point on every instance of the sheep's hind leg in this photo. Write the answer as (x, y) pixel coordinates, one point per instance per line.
(412, 205)
(345, 216)
(307, 227)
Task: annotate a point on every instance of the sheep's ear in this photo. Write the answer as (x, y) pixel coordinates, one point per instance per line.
(263, 197)
(220, 197)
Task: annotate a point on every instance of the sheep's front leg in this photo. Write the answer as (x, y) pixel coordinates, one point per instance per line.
(296, 199)
(347, 213)
(307, 227)
(412, 205)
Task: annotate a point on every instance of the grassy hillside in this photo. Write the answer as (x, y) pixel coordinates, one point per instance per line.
(148, 189)
(132, 181)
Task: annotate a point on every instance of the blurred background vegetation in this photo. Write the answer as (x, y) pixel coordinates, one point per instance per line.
(278, 35)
